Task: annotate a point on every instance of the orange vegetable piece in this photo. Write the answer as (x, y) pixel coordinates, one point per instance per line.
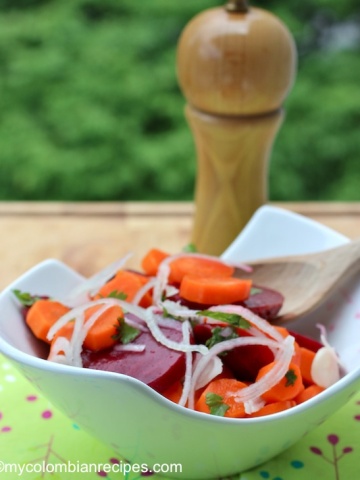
(42, 315)
(272, 408)
(201, 267)
(151, 261)
(306, 359)
(214, 290)
(128, 283)
(222, 387)
(297, 355)
(289, 386)
(174, 392)
(100, 335)
(308, 393)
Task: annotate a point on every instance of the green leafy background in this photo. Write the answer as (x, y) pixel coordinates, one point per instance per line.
(90, 107)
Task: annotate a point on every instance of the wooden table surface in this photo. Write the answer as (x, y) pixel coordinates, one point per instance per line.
(88, 236)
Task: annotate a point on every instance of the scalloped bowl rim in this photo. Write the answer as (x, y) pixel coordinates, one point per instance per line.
(265, 215)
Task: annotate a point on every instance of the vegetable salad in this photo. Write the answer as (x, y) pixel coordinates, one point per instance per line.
(192, 329)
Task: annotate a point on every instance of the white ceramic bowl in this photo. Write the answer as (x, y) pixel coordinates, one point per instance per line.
(145, 427)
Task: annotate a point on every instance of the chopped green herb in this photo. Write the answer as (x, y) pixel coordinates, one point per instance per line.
(190, 248)
(117, 294)
(218, 336)
(291, 378)
(255, 291)
(125, 332)
(231, 318)
(216, 404)
(26, 299)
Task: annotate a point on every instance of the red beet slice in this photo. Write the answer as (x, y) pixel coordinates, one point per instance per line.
(244, 362)
(306, 342)
(265, 302)
(157, 366)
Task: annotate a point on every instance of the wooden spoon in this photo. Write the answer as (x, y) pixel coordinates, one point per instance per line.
(306, 280)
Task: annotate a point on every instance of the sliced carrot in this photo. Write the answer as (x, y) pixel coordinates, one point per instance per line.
(275, 407)
(289, 386)
(202, 267)
(282, 330)
(174, 392)
(42, 315)
(214, 290)
(128, 283)
(101, 334)
(306, 360)
(308, 393)
(217, 399)
(151, 261)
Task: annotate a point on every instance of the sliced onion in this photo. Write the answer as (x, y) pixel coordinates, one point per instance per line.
(188, 364)
(254, 391)
(95, 282)
(130, 347)
(281, 366)
(61, 344)
(177, 310)
(254, 319)
(212, 369)
(151, 321)
(128, 307)
(143, 290)
(252, 406)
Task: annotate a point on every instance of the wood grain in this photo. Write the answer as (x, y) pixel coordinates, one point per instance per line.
(88, 236)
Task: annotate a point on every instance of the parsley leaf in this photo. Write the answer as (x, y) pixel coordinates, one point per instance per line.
(255, 291)
(125, 332)
(291, 378)
(26, 299)
(216, 404)
(118, 295)
(232, 318)
(217, 336)
(190, 248)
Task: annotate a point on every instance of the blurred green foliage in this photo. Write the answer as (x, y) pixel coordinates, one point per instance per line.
(90, 107)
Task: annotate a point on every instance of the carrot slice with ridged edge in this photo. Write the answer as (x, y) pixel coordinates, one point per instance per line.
(214, 290)
(272, 408)
(201, 267)
(151, 261)
(217, 400)
(127, 283)
(101, 334)
(308, 392)
(42, 315)
(287, 388)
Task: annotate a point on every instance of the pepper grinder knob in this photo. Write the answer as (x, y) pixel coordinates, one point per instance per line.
(236, 65)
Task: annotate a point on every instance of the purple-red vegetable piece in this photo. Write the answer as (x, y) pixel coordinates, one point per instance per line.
(157, 366)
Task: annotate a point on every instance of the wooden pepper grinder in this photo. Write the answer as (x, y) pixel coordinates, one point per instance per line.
(236, 64)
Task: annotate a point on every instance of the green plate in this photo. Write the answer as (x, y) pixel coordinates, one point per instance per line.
(39, 442)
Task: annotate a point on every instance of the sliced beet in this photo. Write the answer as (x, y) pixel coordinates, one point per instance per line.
(157, 365)
(244, 362)
(265, 302)
(306, 342)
